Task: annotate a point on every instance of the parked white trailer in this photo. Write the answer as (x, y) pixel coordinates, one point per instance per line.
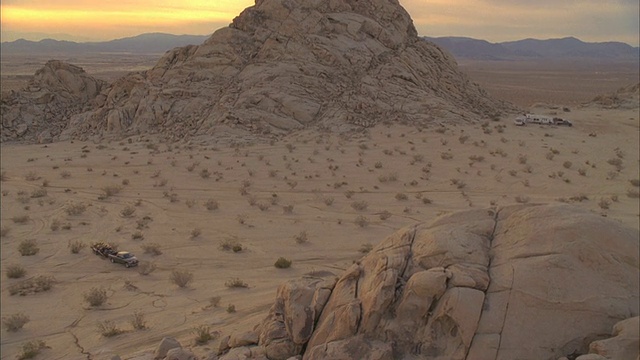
(541, 119)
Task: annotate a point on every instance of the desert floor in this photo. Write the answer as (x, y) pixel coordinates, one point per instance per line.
(318, 200)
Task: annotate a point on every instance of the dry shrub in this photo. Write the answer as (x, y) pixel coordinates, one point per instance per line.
(38, 193)
(366, 248)
(76, 246)
(15, 322)
(446, 156)
(617, 162)
(55, 224)
(385, 215)
(328, 200)
(146, 267)
(73, 209)
(231, 308)
(458, 183)
(31, 176)
(96, 296)
(633, 193)
(182, 278)
(203, 334)
(110, 190)
(287, 209)
(15, 271)
(604, 204)
(32, 349)
(195, 233)
(128, 211)
(361, 221)
(34, 285)
(301, 237)
(231, 244)
(522, 199)
(236, 283)
(28, 247)
(138, 321)
(109, 328)
(152, 249)
(359, 205)
(4, 231)
(567, 164)
(402, 197)
(21, 219)
(635, 182)
(282, 263)
(211, 204)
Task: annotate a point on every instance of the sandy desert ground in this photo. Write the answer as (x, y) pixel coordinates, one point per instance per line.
(319, 200)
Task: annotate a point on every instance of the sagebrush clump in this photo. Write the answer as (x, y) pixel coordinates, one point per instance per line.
(96, 296)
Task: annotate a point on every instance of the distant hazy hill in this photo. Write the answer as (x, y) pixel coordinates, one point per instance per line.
(565, 48)
(141, 44)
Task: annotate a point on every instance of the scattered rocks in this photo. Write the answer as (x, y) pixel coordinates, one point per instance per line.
(165, 345)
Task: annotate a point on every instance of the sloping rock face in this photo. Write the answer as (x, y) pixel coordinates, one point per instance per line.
(284, 65)
(43, 109)
(627, 97)
(522, 282)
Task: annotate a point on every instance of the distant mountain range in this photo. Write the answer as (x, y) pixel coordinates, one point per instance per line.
(460, 47)
(565, 48)
(150, 43)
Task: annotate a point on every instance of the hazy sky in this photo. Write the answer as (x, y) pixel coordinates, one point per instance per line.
(493, 20)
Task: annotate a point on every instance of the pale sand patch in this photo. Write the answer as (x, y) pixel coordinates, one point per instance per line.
(320, 166)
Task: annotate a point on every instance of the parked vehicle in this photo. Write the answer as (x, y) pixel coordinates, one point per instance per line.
(120, 257)
(541, 119)
(124, 257)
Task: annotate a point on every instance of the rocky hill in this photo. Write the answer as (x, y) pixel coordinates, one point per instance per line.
(284, 65)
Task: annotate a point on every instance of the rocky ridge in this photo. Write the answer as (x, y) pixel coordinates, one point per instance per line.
(43, 109)
(284, 65)
(519, 282)
(627, 97)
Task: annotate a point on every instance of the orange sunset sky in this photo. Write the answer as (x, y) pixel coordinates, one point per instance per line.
(493, 20)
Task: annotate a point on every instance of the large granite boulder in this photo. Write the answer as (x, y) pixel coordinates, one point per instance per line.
(520, 282)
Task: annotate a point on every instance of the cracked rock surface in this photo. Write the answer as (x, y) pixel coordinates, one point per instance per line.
(520, 282)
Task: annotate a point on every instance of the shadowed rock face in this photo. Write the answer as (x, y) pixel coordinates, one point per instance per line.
(523, 282)
(42, 110)
(284, 65)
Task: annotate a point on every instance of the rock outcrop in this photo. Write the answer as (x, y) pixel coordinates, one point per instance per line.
(627, 97)
(521, 282)
(284, 65)
(43, 109)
